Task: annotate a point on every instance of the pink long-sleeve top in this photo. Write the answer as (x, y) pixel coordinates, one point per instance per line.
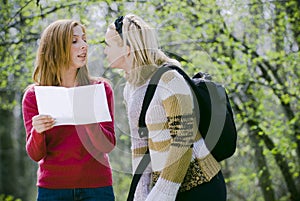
(70, 156)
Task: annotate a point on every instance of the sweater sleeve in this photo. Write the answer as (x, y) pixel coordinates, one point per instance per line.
(143, 187)
(35, 142)
(138, 147)
(178, 105)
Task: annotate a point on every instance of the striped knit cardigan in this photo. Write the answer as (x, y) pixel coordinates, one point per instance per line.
(175, 164)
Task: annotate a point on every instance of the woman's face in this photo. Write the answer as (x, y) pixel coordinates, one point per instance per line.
(79, 48)
(116, 55)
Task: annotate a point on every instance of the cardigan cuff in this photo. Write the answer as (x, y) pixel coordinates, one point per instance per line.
(142, 189)
(209, 166)
(163, 190)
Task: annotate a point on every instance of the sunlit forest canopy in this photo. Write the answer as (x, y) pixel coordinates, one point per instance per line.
(250, 46)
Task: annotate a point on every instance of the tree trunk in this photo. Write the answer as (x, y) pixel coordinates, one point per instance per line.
(293, 11)
(264, 178)
(8, 166)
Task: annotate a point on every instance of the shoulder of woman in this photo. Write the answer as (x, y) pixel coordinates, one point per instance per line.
(170, 76)
(107, 83)
(29, 92)
(29, 89)
(99, 80)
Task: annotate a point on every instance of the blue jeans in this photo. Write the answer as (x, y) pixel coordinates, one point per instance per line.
(77, 194)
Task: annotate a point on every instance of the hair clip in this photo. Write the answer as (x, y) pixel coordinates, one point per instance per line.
(119, 24)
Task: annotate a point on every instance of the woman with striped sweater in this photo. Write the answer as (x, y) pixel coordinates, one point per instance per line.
(181, 166)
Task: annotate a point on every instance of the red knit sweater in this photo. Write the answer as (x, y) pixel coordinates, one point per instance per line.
(70, 156)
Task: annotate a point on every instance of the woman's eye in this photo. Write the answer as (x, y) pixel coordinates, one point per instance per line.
(104, 42)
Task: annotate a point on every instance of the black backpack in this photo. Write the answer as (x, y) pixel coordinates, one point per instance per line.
(215, 117)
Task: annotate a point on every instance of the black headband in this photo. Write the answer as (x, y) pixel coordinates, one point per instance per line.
(119, 24)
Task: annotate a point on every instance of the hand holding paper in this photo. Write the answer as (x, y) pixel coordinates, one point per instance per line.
(73, 106)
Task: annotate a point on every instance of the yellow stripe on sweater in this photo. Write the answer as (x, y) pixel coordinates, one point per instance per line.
(157, 126)
(179, 162)
(178, 104)
(138, 152)
(160, 146)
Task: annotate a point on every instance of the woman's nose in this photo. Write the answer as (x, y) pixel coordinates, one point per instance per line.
(84, 45)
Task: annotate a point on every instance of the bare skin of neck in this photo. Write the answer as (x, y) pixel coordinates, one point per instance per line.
(69, 78)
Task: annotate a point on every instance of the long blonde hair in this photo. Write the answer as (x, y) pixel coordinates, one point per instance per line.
(53, 54)
(143, 43)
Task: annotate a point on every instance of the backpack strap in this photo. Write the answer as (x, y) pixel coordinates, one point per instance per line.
(137, 175)
(143, 131)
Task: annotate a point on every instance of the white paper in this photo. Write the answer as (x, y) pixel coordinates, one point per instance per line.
(73, 106)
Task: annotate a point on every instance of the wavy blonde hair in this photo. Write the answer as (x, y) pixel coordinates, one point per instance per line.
(143, 43)
(54, 54)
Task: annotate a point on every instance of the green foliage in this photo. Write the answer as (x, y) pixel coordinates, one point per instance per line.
(121, 185)
(252, 47)
(8, 198)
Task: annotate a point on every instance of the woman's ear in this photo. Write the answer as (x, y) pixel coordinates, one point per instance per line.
(128, 55)
(127, 49)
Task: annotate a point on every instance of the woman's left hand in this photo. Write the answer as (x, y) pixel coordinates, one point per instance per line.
(42, 123)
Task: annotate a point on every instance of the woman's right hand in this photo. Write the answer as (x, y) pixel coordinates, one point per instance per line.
(42, 123)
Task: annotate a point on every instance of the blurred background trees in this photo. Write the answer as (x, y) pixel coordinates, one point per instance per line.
(251, 46)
